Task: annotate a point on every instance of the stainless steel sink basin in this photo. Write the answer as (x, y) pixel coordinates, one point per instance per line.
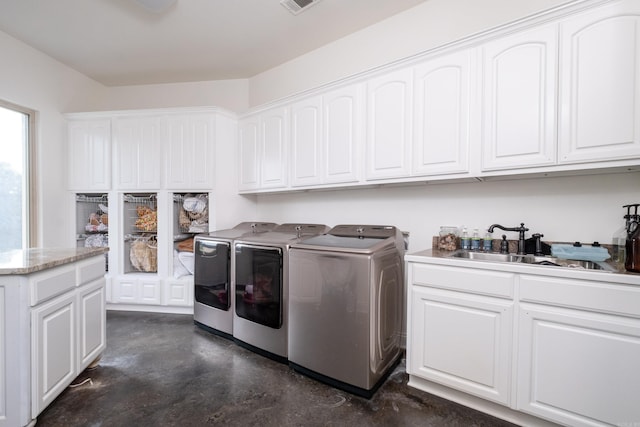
(487, 256)
(533, 260)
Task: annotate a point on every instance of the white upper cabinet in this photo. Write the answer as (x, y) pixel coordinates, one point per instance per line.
(443, 99)
(89, 154)
(306, 142)
(190, 151)
(326, 133)
(273, 138)
(249, 166)
(138, 150)
(600, 84)
(389, 111)
(263, 140)
(518, 100)
(343, 130)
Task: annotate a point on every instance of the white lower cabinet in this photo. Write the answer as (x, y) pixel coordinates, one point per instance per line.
(53, 349)
(67, 329)
(137, 291)
(442, 320)
(578, 366)
(547, 350)
(92, 325)
(178, 292)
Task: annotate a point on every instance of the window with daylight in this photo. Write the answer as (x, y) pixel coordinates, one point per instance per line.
(16, 209)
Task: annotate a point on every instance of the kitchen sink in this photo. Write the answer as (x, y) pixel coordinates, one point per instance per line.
(488, 256)
(533, 260)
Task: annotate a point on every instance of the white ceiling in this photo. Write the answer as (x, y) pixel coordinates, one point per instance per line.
(118, 42)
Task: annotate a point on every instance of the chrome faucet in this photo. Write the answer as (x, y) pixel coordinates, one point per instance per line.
(520, 230)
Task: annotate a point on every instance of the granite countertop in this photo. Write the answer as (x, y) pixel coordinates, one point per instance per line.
(36, 259)
(436, 256)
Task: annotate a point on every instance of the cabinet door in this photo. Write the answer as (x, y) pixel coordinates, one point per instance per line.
(443, 90)
(306, 142)
(273, 140)
(389, 107)
(461, 341)
(92, 321)
(137, 291)
(519, 98)
(600, 84)
(248, 154)
(343, 121)
(190, 150)
(89, 153)
(179, 292)
(53, 352)
(138, 150)
(578, 368)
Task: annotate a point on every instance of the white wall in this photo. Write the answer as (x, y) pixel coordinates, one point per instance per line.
(583, 208)
(35, 81)
(228, 94)
(426, 26)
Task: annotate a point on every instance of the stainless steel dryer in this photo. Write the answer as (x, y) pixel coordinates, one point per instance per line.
(345, 306)
(261, 288)
(213, 276)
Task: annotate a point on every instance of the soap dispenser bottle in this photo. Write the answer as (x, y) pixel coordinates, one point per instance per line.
(475, 240)
(632, 260)
(465, 240)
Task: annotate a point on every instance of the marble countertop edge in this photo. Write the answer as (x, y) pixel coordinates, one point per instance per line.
(27, 261)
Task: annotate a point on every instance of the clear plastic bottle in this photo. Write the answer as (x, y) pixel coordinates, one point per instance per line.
(618, 245)
(475, 240)
(465, 240)
(487, 242)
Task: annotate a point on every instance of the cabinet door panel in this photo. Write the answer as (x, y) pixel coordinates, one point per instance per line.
(442, 114)
(342, 137)
(138, 149)
(126, 152)
(190, 152)
(201, 163)
(179, 153)
(389, 107)
(53, 350)
(441, 321)
(519, 100)
(578, 368)
(600, 95)
(149, 154)
(92, 323)
(249, 172)
(89, 145)
(306, 121)
(149, 292)
(273, 138)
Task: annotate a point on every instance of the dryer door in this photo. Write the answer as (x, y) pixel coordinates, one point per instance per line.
(211, 273)
(259, 296)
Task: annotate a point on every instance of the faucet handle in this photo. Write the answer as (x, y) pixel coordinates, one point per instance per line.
(537, 237)
(504, 245)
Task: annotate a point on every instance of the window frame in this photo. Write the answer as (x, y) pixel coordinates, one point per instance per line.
(30, 223)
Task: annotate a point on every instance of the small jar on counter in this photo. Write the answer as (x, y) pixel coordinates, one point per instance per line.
(448, 238)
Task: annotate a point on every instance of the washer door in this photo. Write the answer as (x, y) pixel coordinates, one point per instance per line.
(259, 296)
(211, 273)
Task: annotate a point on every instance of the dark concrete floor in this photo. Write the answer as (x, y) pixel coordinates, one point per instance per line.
(161, 370)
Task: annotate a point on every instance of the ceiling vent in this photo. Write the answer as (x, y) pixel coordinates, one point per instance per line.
(297, 6)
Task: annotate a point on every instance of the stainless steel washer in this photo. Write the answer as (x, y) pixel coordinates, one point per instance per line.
(213, 276)
(261, 288)
(345, 306)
